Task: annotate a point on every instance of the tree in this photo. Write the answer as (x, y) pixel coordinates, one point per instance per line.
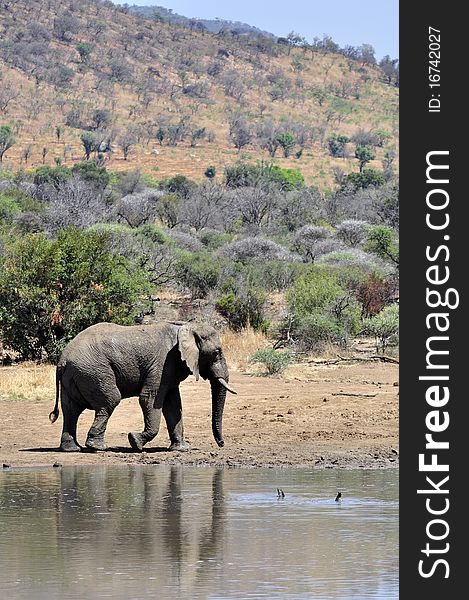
(65, 26)
(26, 154)
(7, 140)
(8, 93)
(84, 50)
(267, 133)
(382, 241)
(126, 141)
(366, 54)
(390, 68)
(337, 145)
(256, 205)
(384, 326)
(244, 307)
(240, 132)
(101, 117)
(287, 142)
(363, 154)
(88, 140)
(50, 290)
(306, 240)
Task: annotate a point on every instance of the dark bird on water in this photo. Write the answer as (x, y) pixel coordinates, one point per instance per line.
(280, 493)
(338, 498)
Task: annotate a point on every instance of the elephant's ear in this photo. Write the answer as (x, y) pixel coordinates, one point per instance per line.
(188, 349)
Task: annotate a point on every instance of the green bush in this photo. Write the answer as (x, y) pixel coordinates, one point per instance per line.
(360, 181)
(8, 208)
(384, 326)
(198, 272)
(243, 309)
(383, 242)
(50, 290)
(243, 174)
(275, 361)
(52, 175)
(315, 289)
(286, 179)
(91, 172)
(214, 239)
(322, 310)
(337, 145)
(178, 184)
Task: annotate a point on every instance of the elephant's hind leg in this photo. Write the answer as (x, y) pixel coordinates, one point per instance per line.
(151, 409)
(71, 411)
(95, 438)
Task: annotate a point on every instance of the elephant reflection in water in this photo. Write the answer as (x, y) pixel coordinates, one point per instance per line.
(138, 517)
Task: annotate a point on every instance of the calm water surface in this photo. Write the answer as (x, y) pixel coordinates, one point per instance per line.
(190, 533)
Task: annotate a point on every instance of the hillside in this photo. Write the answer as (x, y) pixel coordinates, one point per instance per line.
(166, 15)
(168, 99)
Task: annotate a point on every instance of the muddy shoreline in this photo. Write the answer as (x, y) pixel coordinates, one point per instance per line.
(319, 416)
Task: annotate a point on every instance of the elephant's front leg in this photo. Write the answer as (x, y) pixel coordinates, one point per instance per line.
(172, 411)
(151, 410)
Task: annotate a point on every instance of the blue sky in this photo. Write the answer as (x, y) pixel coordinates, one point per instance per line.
(374, 22)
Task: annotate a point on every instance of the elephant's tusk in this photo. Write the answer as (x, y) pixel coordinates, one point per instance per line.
(225, 385)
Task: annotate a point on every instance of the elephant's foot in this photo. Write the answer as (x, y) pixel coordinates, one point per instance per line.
(68, 444)
(180, 446)
(95, 444)
(137, 441)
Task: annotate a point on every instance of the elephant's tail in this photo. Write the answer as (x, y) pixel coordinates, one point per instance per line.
(54, 415)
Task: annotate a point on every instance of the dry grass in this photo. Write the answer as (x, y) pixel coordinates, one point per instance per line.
(28, 381)
(238, 347)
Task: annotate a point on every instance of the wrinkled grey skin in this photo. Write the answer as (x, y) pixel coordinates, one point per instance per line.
(107, 362)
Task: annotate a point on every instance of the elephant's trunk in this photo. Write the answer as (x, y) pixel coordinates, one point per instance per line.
(218, 404)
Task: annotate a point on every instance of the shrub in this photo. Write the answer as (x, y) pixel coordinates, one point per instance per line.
(92, 173)
(350, 258)
(275, 361)
(374, 293)
(8, 208)
(52, 289)
(186, 241)
(337, 145)
(213, 239)
(179, 185)
(383, 242)
(210, 172)
(256, 248)
(247, 175)
(52, 175)
(315, 289)
(352, 231)
(278, 275)
(197, 272)
(286, 179)
(364, 179)
(384, 326)
(7, 139)
(243, 308)
(322, 310)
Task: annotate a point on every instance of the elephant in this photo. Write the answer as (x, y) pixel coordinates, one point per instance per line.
(106, 362)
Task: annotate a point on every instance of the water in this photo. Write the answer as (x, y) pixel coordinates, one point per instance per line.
(197, 533)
